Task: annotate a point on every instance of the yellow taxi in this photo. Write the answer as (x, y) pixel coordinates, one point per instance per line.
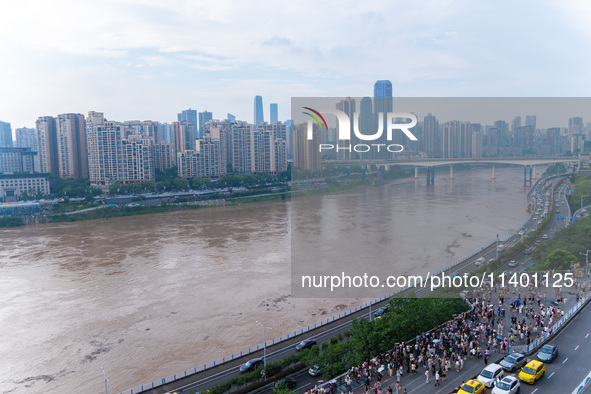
(472, 386)
(532, 372)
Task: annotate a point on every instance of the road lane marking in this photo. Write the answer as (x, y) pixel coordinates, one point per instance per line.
(565, 360)
(550, 375)
(586, 335)
(577, 347)
(307, 384)
(534, 391)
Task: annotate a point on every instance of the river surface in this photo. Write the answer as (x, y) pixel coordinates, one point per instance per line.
(152, 295)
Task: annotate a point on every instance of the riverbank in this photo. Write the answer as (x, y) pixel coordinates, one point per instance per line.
(302, 188)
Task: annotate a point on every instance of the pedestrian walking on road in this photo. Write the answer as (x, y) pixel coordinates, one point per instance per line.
(427, 375)
(436, 378)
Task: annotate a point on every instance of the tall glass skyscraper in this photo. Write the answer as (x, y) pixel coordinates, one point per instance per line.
(190, 115)
(258, 110)
(231, 117)
(382, 88)
(273, 114)
(5, 135)
(382, 92)
(204, 117)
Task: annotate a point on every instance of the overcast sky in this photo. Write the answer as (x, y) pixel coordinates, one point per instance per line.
(150, 59)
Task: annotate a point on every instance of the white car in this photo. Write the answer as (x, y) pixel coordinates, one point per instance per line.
(509, 385)
(491, 374)
(315, 370)
(512, 263)
(479, 261)
(521, 232)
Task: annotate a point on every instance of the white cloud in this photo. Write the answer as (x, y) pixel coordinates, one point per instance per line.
(220, 53)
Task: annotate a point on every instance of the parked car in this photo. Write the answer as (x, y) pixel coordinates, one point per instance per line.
(251, 365)
(305, 344)
(509, 385)
(547, 353)
(513, 361)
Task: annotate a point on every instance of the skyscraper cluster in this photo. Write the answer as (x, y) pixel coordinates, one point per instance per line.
(106, 151)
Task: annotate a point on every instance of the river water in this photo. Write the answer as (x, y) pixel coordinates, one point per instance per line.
(152, 295)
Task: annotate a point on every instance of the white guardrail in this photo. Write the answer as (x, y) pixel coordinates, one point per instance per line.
(584, 385)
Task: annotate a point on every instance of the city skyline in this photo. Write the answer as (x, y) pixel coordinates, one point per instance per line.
(140, 59)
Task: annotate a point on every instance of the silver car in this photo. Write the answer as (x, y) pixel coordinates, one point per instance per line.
(509, 385)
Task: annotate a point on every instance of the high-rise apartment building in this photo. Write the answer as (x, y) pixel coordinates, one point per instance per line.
(231, 117)
(26, 138)
(47, 145)
(258, 111)
(476, 150)
(345, 147)
(205, 161)
(163, 157)
(431, 137)
(166, 133)
(269, 154)
(5, 135)
(515, 124)
(71, 146)
(306, 153)
(273, 113)
(114, 158)
(241, 147)
(222, 129)
(575, 127)
(146, 128)
(456, 139)
(530, 120)
(183, 136)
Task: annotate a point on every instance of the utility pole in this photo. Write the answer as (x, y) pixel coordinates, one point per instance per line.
(264, 348)
(497, 250)
(106, 380)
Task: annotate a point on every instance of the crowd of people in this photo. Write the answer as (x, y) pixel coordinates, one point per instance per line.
(492, 325)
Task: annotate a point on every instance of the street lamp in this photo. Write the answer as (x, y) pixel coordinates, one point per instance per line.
(497, 250)
(586, 254)
(264, 348)
(106, 380)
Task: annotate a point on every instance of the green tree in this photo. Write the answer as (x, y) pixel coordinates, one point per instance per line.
(115, 188)
(200, 183)
(559, 259)
(230, 181)
(181, 183)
